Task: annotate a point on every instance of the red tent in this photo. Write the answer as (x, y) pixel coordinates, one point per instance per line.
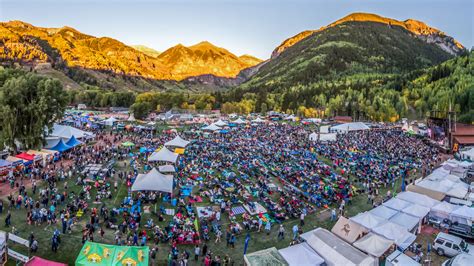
(25, 156)
(37, 261)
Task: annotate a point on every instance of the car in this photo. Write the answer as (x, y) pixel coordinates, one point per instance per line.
(462, 259)
(450, 246)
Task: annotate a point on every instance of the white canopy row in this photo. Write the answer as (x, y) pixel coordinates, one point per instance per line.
(153, 181)
(163, 155)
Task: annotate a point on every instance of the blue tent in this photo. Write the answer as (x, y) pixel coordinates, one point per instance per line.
(73, 142)
(61, 146)
(4, 163)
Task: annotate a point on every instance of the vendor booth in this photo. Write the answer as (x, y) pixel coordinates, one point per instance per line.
(301, 254)
(348, 230)
(269, 256)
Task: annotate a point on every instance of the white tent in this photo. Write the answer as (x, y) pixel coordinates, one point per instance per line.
(177, 142)
(417, 210)
(348, 230)
(131, 118)
(468, 154)
(398, 258)
(324, 129)
(328, 137)
(395, 232)
(396, 204)
(220, 123)
(258, 120)
(417, 198)
(373, 244)
(110, 121)
(383, 212)
(443, 210)
(313, 136)
(166, 169)
(211, 127)
(269, 256)
(164, 155)
(290, 118)
(367, 220)
(153, 181)
(405, 220)
(334, 250)
(151, 123)
(463, 215)
(346, 127)
(239, 121)
(301, 254)
(66, 132)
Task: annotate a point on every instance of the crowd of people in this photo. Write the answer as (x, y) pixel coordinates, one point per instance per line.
(257, 177)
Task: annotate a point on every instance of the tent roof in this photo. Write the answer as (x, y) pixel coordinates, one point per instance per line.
(163, 155)
(220, 123)
(177, 142)
(166, 168)
(396, 204)
(367, 220)
(25, 156)
(417, 210)
(373, 244)
(239, 121)
(348, 230)
(73, 142)
(428, 192)
(258, 120)
(66, 132)
(301, 254)
(334, 250)
(153, 181)
(464, 212)
(445, 207)
(353, 126)
(405, 220)
(417, 198)
(37, 261)
(211, 127)
(4, 163)
(269, 256)
(395, 232)
(383, 212)
(60, 146)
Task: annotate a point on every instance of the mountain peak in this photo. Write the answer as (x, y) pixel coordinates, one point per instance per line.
(418, 28)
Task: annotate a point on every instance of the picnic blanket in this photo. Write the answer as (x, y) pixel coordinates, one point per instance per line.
(238, 210)
(258, 208)
(170, 212)
(204, 212)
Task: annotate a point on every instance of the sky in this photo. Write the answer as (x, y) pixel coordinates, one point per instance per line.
(252, 27)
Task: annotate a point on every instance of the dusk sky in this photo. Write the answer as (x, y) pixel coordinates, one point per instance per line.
(253, 27)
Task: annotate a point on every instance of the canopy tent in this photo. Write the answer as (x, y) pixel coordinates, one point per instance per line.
(290, 117)
(417, 198)
(348, 230)
(25, 156)
(211, 127)
(51, 152)
(417, 210)
(367, 220)
(373, 244)
(443, 210)
(324, 129)
(396, 204)
(269, 256)
(468, 154)
(398, 258)
(399, 234)
(258, 120)
(131, 118)
(463, 215)
(111, 255)
(439, 196)
(239, 121)
(164, 155)
(177, 142)
(166, 169)
(73, 142)
(110, 121)
(60, 146)
(301, 254)
(383, 212)
(37, 261)
(14, 160)
(128, 144)
(346, 127)
(313, 136)
(327, 137)
(66, 132)
(334, 250)
(5, 164)
(405, 220)
(153, 181)
(220, 123)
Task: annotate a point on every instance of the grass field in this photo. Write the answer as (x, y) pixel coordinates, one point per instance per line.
(71, 243)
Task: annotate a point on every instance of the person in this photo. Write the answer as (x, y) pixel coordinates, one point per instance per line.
(281, 232)
(232, 241)
(268, 227)
(295, 231)
(1, 206)
(260, 224)
(218, 236)
(8, 219)
(197, 250)
(204, 249)
(302, 218)
(34, 246)
(333, 214)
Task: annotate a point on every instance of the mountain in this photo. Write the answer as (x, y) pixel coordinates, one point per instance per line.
(417, 28)
(67, 48)
(146, 50)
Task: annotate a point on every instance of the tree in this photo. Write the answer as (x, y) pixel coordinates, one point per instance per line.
(29, 104)
(141, 109)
